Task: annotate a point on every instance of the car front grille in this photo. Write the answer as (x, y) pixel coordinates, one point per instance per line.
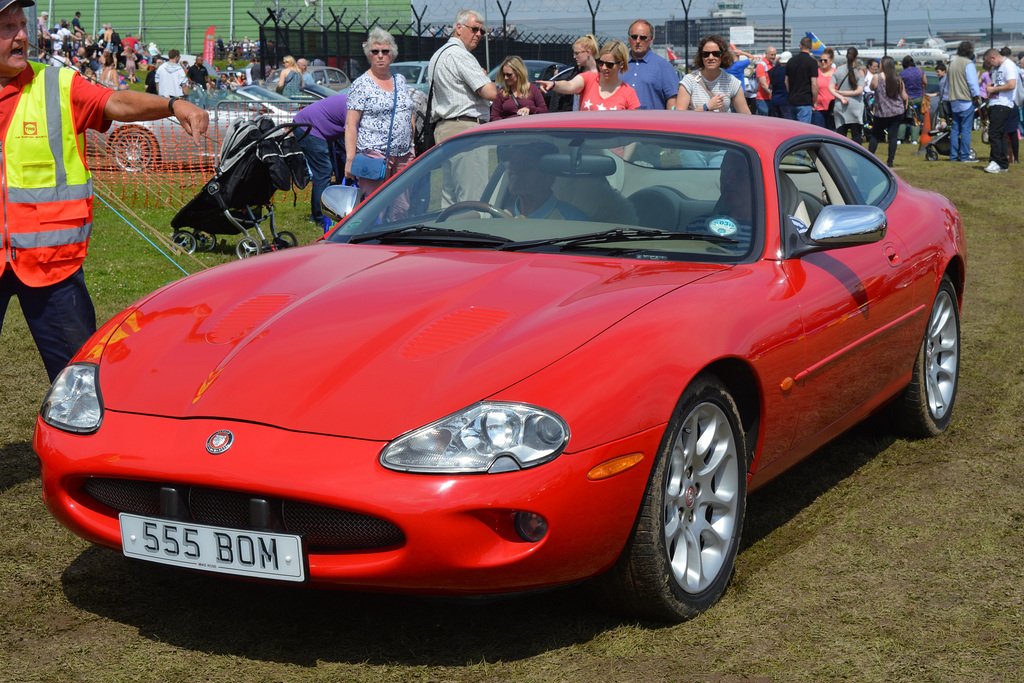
(325, 529)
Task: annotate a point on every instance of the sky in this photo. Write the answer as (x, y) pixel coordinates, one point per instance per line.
(830, 20)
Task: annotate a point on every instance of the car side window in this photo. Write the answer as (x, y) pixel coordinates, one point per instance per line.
(867, 179)
(334, 76)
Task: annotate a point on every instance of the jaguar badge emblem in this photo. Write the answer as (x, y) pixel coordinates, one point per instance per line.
(220, 441)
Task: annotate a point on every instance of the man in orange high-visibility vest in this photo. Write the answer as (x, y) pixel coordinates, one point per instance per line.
(46, 187)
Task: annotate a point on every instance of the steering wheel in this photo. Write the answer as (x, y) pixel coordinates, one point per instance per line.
(460, 207)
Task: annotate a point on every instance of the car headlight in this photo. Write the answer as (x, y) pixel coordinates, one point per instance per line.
(488, 437)
(73, 403)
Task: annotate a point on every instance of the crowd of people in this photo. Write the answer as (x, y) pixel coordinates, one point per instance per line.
(875, 101)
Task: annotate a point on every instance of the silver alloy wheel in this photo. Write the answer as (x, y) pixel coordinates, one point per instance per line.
(247, 247)
(702, 503)
(134, 149)
(942, 348)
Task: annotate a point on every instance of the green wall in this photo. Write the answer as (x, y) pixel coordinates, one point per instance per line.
(164, 21)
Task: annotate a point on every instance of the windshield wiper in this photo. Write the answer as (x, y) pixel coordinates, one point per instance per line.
(426, 233)
(617, 235)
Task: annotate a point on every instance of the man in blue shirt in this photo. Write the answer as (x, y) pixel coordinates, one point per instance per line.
(654, 79)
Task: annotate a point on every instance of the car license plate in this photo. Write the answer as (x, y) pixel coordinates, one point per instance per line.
(258, 554)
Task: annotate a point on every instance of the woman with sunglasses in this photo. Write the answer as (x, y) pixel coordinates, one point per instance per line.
(289, 83)
(380, 113)
(516, 95)
(822, 114)
(710, 87)
(584, 51)
(603, 91)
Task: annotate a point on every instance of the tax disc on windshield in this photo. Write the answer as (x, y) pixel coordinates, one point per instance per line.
(723, 226)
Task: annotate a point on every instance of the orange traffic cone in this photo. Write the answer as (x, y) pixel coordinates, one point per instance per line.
(926, 125)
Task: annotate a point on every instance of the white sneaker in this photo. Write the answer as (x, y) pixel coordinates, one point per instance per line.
(992, 167)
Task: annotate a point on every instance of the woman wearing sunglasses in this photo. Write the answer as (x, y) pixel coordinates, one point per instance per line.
(379, 124)
(710, 87)
(604, 90)
(516, 95)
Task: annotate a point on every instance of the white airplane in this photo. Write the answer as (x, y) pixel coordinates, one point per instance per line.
(934, 50)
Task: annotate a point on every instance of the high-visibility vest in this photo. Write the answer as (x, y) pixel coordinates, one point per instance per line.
(47, 188)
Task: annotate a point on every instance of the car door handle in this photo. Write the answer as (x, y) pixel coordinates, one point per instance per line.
(892, 255)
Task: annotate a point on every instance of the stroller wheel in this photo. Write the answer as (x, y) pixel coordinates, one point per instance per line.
(206, 241)
(974, 155)
(931, 155)
(186, 241)
(285, 239)
(984, 135)
(247, 247)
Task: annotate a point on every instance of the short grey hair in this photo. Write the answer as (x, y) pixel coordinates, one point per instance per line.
(465, 14)
(379, 36)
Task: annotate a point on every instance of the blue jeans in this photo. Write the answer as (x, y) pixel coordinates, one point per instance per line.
(762, 107)
(960, 135)
(318, 158)
(801, 112)
(60, 316)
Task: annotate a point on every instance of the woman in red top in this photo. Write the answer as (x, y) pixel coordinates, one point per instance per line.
(822, 115)
(516, 95)
(603, 91)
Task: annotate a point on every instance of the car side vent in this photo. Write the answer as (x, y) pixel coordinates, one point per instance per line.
(246, 316)
(453, 329)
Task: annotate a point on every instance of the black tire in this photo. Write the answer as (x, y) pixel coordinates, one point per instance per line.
(698, 480)
(206, 241)
(185, 240)
(931, 155)
(926, 405)
(285, 240)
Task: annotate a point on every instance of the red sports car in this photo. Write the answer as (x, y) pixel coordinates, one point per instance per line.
(552, 349)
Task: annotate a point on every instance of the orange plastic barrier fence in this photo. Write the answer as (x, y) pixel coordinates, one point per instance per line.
(154, 164)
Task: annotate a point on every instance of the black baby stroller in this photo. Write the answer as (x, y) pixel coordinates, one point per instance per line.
(940, 144)
(257, 158)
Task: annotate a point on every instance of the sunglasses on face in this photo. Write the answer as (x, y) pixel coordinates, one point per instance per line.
(384, 51)
(637, 36)
(508, 74)
(713, 53)
(476, 29)
(607, 65)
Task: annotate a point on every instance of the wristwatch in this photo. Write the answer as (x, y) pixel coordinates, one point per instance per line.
(170, 104)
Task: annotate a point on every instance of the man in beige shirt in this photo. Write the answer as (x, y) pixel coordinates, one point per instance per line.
(462, 93)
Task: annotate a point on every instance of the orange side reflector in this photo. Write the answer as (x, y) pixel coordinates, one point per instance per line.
(618, 465)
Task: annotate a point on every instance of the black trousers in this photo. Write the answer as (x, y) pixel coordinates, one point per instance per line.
(998, 117)
(890, 126)
(60, 316)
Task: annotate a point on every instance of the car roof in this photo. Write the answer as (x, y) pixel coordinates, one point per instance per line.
(762, 133)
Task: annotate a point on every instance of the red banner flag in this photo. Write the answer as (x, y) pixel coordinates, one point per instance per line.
(208, 45)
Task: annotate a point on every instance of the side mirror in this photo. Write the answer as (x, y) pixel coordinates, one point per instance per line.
(837, 227)
(337, 201)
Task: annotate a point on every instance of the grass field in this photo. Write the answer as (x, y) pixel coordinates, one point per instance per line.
(877, 559)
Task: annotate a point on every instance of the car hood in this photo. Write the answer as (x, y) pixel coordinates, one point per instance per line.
(366, 341)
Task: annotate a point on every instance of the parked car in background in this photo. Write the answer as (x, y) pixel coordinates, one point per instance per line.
(536, 69)
(415, 74)
(328, 76)
(148, 145)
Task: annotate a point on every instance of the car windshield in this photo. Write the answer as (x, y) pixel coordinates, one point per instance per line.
(635, 195)
(411, 72)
